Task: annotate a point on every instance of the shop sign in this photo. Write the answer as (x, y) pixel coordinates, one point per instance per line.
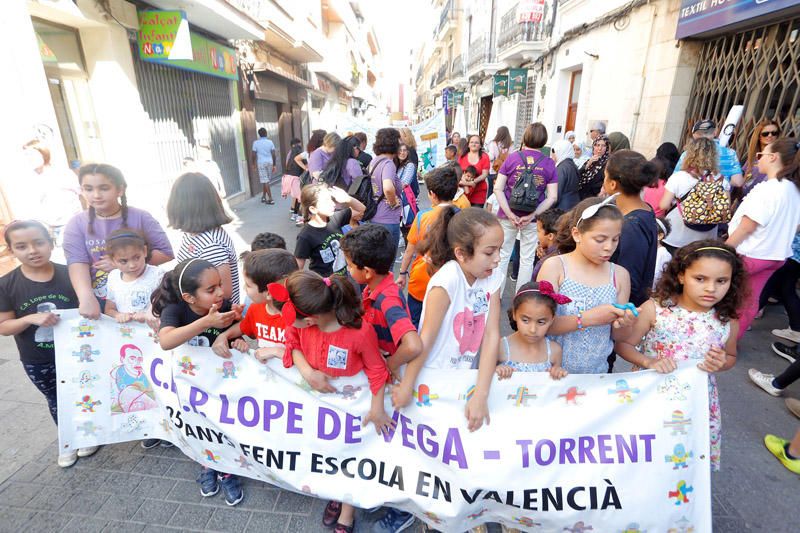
(446, 102)
(517, 80)
(530, 11)
(701, 16)
(459, 98)
(500, 85)
(46, 53)
(451, 99)
(164, 35)
(209, 57)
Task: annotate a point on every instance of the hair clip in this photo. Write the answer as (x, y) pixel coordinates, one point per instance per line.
(126, 236)
(716, 248)
(592, 210)
(180, 277)
(327, 281)
(546, 289)
(280, 294)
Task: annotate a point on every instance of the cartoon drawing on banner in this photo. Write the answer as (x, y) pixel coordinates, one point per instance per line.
(524, 521)
(681, 493)
(87, 405)
(228, 370)
(85, 379)
(468, 394)
(678, 423)
(132, 423)
(85, 353)
(126, 332)
(682, 526)
(623, 391)
(679, 458)
(521, 397)
(674, 388)
(187, 367)
(571, 396)
(88, 428)
(579, 527)
(424, 396)
(211, 457)
(433, 517)
(243, 462)
(84, 329)
(634, 527)
(477, 515)
(348, 392)
(130, 389)
(429, 155)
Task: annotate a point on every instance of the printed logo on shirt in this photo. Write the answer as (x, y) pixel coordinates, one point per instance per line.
(139, 299)
(331, 252)
(337, 357)
(478, 300)
(199, 341)
(270, 333)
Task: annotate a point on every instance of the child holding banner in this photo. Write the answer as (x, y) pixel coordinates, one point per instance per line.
(263, 320)
(326, 337)
(461, 310)
(28, 296)
(692, 316)
(598, 289)
(192, 309)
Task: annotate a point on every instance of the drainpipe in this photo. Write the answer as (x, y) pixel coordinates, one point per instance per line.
(638, 111)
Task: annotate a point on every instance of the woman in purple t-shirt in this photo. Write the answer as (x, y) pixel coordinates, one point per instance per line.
(522, 224)
(103, 186)
(385, 183)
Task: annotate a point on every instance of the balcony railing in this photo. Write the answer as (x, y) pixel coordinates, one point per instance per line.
(441, 74)
(479, 53)
(513, 32)
(447, 13)
(458, 67)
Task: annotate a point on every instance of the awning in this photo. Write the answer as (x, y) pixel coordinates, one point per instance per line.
(277, 71)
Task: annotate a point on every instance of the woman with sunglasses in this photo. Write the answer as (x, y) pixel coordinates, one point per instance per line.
(763, 228)
(765, 132)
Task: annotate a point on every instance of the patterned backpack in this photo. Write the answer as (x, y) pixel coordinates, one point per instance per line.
(707, 204)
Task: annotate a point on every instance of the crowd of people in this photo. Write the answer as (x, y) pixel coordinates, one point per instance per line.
(655, 261)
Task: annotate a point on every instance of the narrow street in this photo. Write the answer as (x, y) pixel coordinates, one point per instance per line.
(125, 488)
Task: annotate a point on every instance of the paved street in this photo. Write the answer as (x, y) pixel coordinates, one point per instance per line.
(125, 488)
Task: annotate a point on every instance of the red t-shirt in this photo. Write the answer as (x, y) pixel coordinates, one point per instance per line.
(270, 330)
(344, 352)
(478, 194)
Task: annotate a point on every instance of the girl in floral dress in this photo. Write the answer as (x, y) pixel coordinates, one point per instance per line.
(692, 316)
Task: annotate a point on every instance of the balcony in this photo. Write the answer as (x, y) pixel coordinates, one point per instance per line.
(482, 59)
(458, 72)
(447, 22)
(518, 42)
(441, 74)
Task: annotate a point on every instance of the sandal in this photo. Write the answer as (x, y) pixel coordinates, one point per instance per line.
(263, 199)
(341, 528)
(270, 202)
(331, 514)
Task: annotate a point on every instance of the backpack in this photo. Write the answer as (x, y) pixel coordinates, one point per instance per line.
(330, 177)
(361, 190)
(706, 204)
(524, 194)
(499, 160)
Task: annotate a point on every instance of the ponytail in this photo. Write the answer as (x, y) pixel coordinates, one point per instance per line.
(311, 294)
(185, 277)
(453, 229)
(788, 151)
(115, 176)
(435, 244)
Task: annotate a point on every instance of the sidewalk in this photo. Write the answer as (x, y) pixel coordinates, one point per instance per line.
(126, 488)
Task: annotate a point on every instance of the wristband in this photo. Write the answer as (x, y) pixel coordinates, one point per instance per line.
(580, 320)
(404, 273)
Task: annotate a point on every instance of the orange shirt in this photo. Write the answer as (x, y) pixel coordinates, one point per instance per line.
(418, 275)
(462, 202)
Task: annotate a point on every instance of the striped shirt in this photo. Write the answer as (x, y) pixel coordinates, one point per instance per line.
(386, 309)
(216, 247)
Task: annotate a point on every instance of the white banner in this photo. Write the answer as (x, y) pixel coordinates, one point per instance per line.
(430, 135)
(622, 452)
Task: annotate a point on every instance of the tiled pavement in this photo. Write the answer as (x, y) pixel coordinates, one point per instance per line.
(125, 488)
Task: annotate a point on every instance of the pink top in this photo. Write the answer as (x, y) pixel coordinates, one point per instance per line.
(653, 195)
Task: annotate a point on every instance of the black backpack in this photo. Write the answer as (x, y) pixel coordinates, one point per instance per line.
(361, 190)
(524, 194)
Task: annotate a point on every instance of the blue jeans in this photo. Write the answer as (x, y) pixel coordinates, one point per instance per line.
(414, 310)
(394, 229)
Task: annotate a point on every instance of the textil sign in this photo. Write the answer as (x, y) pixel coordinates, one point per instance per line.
(517, 80)
(703, 16)
(164, 35)
(587, 453)
(500, 85)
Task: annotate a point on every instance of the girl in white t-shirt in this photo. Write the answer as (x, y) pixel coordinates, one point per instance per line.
(132, 282)
(763, 228)
(461, 310)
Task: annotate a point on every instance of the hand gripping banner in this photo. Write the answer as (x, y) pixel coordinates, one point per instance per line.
(622, 452)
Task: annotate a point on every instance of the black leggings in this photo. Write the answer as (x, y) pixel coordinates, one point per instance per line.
(43, 376)
(788, 376)
(783, 285)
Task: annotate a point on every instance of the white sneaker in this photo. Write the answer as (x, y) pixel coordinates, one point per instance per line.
(87, 452)
(67, 459)
(764, 381)
(789, 334)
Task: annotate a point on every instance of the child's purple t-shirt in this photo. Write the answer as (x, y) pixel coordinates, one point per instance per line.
(82, 247)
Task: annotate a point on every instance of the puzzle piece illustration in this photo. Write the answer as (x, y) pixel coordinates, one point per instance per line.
(87, 405)
(88, 428)
(679, 458)
(187, 367)
(678, 423)
(521, 397)
(673, 388)
(681, 493)
(623, 391)
(424, 396)
(228, 370)
(571, 396)
(84, 329)
(85, 353)
(85, 379)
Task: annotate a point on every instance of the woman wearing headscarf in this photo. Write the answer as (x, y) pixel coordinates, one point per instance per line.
(617, 141)
(562, 153)
(592, 172)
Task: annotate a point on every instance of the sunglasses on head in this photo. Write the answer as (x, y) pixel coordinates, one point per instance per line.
(769, 133)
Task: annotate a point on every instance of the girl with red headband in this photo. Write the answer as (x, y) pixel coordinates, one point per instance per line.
(327, 338)
(532, 312)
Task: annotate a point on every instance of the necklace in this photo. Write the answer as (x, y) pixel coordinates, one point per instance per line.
(115, 213)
